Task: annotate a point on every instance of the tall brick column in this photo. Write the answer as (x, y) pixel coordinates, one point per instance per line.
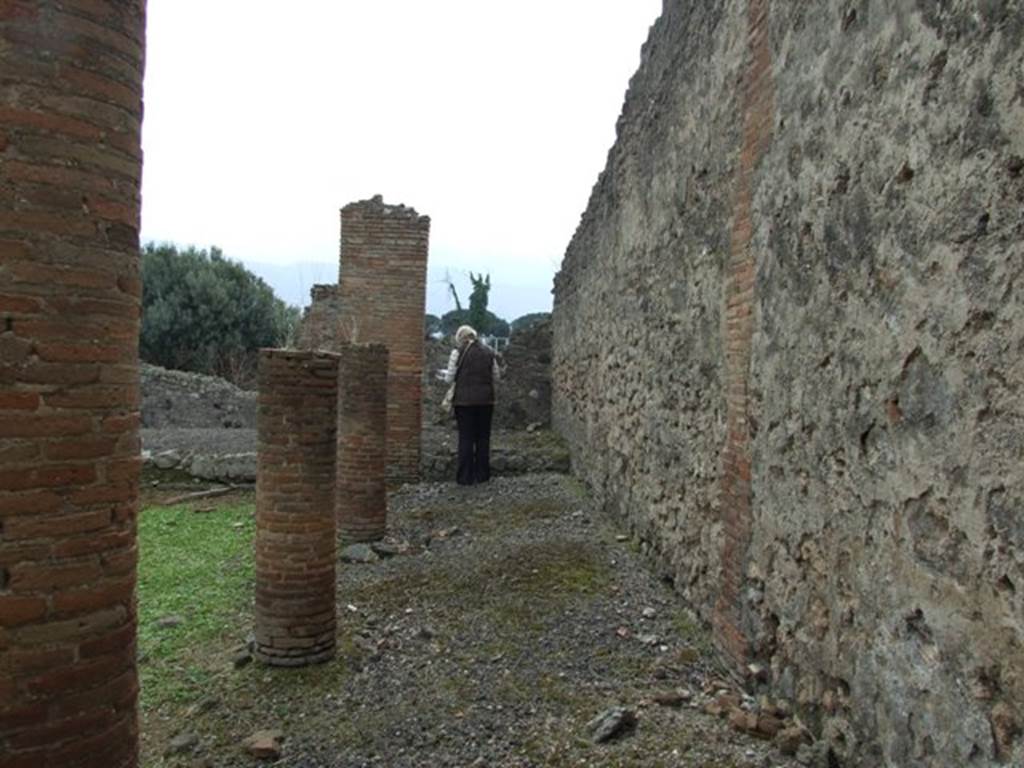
(741, 271)
(362, 442)
(383, 278)
(70, 164)
(295, 531)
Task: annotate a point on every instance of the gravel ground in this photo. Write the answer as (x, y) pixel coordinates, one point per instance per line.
(511, 616)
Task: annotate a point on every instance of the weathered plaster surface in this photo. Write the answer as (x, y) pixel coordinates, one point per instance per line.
(881, 577)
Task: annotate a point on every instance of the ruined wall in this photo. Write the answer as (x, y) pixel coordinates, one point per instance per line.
(321, 321)
(70, 164)
(380, 298)
(383, 293)
(524, 393)
(172, 399)
(787, 349)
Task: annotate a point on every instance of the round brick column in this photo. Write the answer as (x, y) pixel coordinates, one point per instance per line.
(362, 442)
(70, 165)
(295, 529)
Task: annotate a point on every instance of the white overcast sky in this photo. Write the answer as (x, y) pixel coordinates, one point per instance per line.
(494, 118)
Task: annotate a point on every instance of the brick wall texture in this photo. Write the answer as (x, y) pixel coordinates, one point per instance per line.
(295, 489)
(70, 164)
(787, 355)
(381, 299)
(362, 442)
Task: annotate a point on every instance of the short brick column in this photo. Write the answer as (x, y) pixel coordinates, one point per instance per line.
(295, 530)
(362, 442)
(70, 165)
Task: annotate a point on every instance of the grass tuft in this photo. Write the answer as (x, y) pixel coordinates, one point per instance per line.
(199, 567)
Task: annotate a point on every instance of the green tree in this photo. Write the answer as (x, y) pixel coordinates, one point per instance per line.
(431, 324)
(528, 321)
(203, 312)
(492, 324)
(478, 302)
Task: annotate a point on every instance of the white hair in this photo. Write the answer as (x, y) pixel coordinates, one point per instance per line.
(464, 334)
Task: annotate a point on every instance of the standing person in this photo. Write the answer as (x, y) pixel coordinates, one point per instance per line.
(473, 366)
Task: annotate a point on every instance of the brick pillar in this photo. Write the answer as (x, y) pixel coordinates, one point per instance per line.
(383, 278)
(741, 271)
(295, 531)
(362, 442)
(70, 164)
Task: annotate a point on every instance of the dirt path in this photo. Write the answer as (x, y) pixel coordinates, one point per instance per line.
(512, 616)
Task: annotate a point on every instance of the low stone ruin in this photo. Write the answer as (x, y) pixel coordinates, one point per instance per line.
(180, 399)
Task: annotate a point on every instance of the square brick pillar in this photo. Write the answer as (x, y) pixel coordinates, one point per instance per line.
(70, 166)
(362, 499)
(383, 285)
(295, 531)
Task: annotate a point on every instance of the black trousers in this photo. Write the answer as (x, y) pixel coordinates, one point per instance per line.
(474, 443)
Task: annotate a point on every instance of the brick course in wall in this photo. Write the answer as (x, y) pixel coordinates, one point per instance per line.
(70, 164)
(739, 319)
(362, 442)
(295, 528)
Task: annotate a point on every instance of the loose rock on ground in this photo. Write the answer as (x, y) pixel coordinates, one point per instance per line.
(496, 645)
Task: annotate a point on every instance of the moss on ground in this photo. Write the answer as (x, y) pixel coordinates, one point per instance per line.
(196, 567)
(522, 615)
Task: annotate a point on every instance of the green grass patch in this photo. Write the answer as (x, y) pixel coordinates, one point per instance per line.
(199, 567)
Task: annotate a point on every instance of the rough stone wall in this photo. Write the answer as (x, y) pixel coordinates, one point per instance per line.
(181, 399)
(524, 392)
(383, 288)
(70, 164)
(787, 349)
(321, 321)
(524, 395)
(295, 528)
(362, 500)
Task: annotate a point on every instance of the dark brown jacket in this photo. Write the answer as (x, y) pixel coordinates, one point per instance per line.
(474, 383)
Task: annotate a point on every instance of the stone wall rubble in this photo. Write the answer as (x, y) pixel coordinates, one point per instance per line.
(193, 400)
(787, 350)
